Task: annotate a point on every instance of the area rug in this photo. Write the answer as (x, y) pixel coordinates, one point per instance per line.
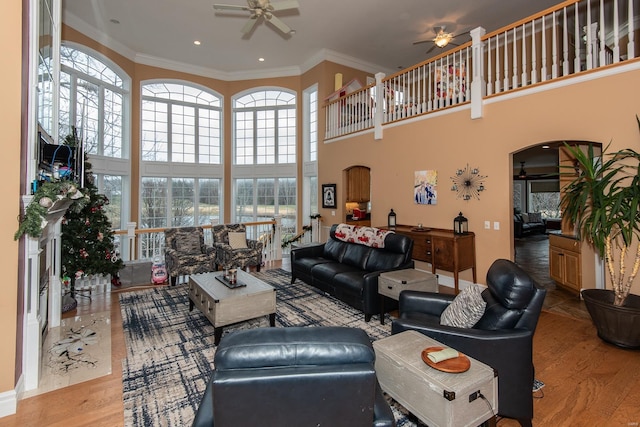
(76, 351)
(170, 350)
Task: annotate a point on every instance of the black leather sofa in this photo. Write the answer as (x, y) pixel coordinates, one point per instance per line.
(305, 376)
(349, 271)
(502, 338)
(523, 228)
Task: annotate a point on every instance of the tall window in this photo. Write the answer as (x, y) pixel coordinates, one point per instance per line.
(181, 131)
(264, 157)
(93, 98)
(310, 152)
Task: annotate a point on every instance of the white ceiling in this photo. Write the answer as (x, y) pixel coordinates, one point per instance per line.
(374, 35)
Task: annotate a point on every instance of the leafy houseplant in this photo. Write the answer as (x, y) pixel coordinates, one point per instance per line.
(603, 203)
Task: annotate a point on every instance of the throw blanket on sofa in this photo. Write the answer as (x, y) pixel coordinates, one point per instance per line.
(367, 236)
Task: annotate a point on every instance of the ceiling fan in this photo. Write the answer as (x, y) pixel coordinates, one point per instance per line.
(262, 9)
(441, 39)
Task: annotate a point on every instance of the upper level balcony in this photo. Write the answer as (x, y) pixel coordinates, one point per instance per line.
(571, 40)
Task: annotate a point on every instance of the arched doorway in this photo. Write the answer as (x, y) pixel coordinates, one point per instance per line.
(539, 174)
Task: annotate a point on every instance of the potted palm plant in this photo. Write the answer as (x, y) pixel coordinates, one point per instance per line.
(603, 203)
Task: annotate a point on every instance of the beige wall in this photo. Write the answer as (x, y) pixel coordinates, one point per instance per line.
(10, 123)
(601, 111)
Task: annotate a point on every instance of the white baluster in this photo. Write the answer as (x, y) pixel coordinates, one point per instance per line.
(616, 33)
(576, 31)
(565, 43)
(631, 49)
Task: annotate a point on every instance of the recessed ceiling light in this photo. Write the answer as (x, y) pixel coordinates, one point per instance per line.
(114, 21)
(197, 42)
(261, 59)
(545, 147)
(292, 32)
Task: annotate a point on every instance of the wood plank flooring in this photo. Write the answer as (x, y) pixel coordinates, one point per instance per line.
(588, 382)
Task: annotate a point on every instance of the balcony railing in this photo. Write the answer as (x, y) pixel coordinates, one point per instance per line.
(135, 244)
(569, 39)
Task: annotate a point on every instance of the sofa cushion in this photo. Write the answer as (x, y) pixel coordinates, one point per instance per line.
(326, 272)
(334, 250)
(356, 255)
(525, 217)
(353, 281)
(535, 217)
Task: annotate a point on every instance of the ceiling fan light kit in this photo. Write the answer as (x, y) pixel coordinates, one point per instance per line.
(262, 9)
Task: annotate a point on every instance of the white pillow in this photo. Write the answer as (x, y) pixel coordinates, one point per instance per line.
(466, 309)
(238, 239)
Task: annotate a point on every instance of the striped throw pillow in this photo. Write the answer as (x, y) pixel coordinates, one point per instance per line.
(466, 309)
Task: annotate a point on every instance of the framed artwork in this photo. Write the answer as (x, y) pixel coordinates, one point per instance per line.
(328, 195)
(424, 187)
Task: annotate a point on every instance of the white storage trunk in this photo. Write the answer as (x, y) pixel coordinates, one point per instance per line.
(437, 398)
(136, 273)
(391, 283)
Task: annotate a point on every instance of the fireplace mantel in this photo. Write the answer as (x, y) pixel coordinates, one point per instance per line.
(43, 304)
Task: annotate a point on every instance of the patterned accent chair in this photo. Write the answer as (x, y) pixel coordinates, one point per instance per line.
(185, 252)
(226, 256)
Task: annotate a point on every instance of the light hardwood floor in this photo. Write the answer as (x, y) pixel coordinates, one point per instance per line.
(588, 382)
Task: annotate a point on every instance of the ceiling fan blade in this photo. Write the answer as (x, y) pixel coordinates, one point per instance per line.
(278, 24)
(229, 7)
(422, 41)
(285, 5)
(249, 25)
(431, 48)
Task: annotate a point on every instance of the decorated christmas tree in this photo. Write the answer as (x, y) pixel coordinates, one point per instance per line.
(87, 237)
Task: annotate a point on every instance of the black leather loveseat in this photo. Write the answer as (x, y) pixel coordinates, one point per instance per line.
(299, 376)
(349, 270)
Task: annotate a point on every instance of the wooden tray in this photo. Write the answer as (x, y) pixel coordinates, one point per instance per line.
(420, 229)
(454, 366)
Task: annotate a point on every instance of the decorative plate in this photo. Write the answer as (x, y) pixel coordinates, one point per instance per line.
(455, 366)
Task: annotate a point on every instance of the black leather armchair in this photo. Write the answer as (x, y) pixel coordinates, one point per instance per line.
(306, 376)
(502, 338)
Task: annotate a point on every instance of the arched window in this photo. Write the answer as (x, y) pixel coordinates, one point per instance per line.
(264, 157)
(180, 124)
(181, 130)
(95, 98)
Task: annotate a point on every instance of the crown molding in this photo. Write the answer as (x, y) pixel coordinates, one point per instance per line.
(139, 58)
(92, 32)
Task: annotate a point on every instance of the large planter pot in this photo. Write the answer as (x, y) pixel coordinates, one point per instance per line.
(616, 325)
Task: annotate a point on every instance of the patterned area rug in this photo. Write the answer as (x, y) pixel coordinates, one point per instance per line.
(170, 350)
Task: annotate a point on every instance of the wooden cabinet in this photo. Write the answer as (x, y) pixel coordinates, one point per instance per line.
(443, 249)
(565, 264)
(358, 184)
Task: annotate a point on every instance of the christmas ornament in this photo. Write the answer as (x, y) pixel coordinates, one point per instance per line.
(45, 202)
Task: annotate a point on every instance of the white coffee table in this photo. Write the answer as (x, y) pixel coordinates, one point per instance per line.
(223, 305)
(436, 398)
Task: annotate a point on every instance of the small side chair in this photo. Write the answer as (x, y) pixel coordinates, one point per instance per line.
(186, 253)
(233, 249)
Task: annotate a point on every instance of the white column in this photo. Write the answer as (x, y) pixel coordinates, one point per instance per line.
(478, 84)
(377, 117)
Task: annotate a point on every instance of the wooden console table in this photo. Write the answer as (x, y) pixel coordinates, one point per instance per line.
(443, 249)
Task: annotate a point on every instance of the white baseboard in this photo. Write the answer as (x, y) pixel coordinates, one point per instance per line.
(8, 403)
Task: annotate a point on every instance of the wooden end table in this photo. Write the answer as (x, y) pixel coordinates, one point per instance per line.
(223, 305)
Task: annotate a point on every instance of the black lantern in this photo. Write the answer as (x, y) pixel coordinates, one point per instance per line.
(460, 224)
(391, 219)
